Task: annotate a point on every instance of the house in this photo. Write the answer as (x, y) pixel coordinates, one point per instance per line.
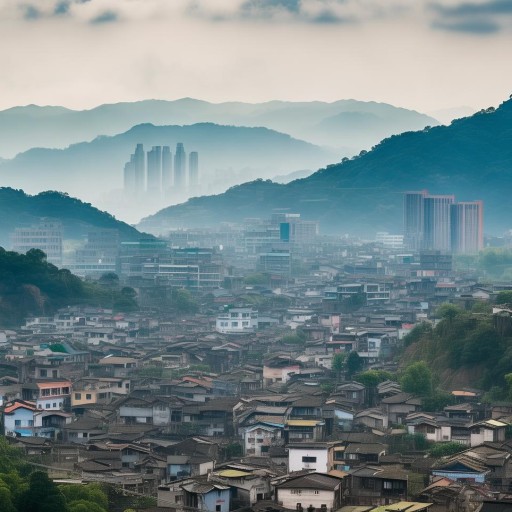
(258, 438)
(374, 485)
(51, 394)
(298, 431)
(373, 418)
(278, 370)
(183, 466)
(487, 431)
(236, 321)
(311, 456)
(321, 491)
(19, 418)
(206, 496)
(398, 406)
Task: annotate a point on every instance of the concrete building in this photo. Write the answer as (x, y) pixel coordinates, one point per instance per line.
(180, 168)
(437, 226)
(167, 178)
(154, 173)
(193, 169)
(46, 236)
(467, 235)
(414, 219)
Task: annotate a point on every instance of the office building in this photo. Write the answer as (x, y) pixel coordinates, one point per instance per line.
(193, 169)
(414, 219)
(139, 161)
(166, 169)
(46, 236)
(180, 168)
(130, 184)
(437, 225)
(467, 227)
(154, 172)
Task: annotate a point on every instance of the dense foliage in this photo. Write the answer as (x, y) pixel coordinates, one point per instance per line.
(25, 490)
(29, 285)
(465, 341)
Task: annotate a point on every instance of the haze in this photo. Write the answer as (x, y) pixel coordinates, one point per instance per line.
(420, 55)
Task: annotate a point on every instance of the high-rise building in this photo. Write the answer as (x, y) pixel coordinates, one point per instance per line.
(130, 178)
(437, 225)
(467, 227)
(193, 169)
(414, 219)
(154, 180)
(180, 168)
(166, 169)
(139, 161)
(46, 236)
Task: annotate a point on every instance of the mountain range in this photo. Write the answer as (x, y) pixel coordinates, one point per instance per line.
(228, 155)
(471, 158)
(347, 125)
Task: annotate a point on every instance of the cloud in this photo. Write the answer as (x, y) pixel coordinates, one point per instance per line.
(30, 12)
(479, 18)
(61, 8)
(478, 27)
(105, 17)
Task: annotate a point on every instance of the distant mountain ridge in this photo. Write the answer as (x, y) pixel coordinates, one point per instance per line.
(471, 158)
(18, 209)
(25, 127)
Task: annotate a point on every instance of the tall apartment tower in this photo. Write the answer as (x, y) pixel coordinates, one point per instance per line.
(467, 227)
(130, 183)
(166, 169)
(193, 169)
(180, 168)
(154, 180)
(139, 161)
(437, 226)
(414, 219)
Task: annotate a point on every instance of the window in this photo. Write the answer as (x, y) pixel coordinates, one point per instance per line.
(30, 423)
(43, 373)
(54, 374)
(55, 405)
(17, 423)
(47, 406)
(296, 491)
(308, 459)
(88, 396)
(317, 492)
(45, 392)
(234, 324)
(78, 396)
(217, 508)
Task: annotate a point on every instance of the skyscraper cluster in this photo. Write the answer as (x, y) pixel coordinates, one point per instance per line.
(156, 174)
(437, 222)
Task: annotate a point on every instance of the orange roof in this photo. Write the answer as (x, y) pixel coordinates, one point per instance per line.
(12, 406)
(54, 384)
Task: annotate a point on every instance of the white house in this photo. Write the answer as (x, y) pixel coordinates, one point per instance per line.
(313, 456)
(237, 320)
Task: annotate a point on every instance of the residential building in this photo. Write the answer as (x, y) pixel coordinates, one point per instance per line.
(193, 170)
(180, 168)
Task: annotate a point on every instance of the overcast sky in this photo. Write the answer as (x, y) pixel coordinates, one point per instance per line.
(418, 54)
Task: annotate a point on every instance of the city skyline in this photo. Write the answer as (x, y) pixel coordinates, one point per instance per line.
(417, 55)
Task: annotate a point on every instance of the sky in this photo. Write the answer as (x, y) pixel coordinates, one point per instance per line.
(419, 54)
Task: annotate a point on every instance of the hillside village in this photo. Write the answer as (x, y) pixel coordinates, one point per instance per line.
(273, 380)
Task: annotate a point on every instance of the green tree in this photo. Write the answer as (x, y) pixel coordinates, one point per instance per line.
(448, 312)
(446, 449)
(42, 495)
(372, 378)
(417, 379)
(338, 362)
(354, 363)
(504, 297)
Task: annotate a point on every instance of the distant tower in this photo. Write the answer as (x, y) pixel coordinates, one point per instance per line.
(180, 168)
(130, 183)
(193, 169)
(139, 160)
(414, 219)
(467, 227)
(155, 170)
(437, 225)
(166, 169)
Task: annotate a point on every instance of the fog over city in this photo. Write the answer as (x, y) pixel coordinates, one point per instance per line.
(255, 256)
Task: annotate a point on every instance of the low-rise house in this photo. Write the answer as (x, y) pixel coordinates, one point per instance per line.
(373, 485)
(206, 496)
(488, 431)
(18, 418)
(373, 418)
(310, 456)
(298, 431)
(51, 394)
(183, 466)
(258, 438)
(320, 491)
(398, 406)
